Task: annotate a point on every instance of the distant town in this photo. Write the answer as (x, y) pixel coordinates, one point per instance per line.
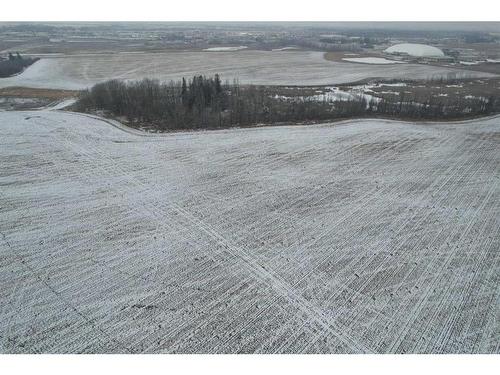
(472, 49)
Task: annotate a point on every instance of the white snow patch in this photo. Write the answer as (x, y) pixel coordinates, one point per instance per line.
(285, 48)
(63, 104)
(469, 63)
(334, 94)
(225, 49)
(482, 98)
(398, 84)
(16, 100)
(372, 60)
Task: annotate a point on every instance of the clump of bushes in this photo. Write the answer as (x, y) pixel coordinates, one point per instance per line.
(15, 64)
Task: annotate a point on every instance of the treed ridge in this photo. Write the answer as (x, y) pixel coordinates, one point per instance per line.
(207, 102)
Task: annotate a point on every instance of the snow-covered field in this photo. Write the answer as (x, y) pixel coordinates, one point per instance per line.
(363, 236)
(259, 67)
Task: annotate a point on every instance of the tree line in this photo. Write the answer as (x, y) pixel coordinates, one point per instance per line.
(207, 102)
(14, 64)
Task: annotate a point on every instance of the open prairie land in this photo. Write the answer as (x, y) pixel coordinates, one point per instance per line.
(361, 236)
(75, 72)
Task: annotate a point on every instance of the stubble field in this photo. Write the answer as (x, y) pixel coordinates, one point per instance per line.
(363, 236)
(74, 72)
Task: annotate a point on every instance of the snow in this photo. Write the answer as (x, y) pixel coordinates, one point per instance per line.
(370, 86)
(389, 92)
(225, 49)
(63, 104)
(16, 100)
(285, 48)
(469, 62)
(398, 84)
(371, 60)
(482, 98)
(333, 94)
(415, 49)
(258, 67)
(360, 236)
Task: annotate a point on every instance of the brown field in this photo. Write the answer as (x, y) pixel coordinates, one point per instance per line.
(26, 92)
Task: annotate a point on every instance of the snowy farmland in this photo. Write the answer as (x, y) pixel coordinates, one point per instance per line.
(302, 68)
(362, 236)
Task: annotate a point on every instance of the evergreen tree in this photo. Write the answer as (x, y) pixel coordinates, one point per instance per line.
(184, 89)
(218, 86)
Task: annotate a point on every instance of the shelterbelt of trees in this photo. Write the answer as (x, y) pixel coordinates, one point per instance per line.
(205, 102)
(14, 64)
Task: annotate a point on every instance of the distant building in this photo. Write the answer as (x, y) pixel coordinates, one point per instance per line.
(416, 52)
